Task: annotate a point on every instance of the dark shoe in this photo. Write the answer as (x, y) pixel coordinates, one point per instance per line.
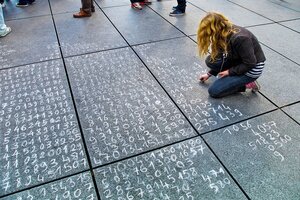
(22, 5)
(176, 13)
(174, 7)
(93, 9)
(82, 14)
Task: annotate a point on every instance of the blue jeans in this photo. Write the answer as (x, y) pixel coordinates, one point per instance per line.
(2, 23)
(229, 84)
(181, 5)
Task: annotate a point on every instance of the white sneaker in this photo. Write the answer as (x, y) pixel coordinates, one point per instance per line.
(6, 32)
(136, 6)
(3, 5)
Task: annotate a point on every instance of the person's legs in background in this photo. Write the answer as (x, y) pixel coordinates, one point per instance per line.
(179, 9)
(24, 3)
(86, 10)
(4, 30)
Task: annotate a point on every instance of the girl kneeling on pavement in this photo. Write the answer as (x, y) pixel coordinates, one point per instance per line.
(236, 56)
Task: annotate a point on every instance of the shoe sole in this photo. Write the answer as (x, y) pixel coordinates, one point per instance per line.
(174, 15)
(75, 16)
(22, 6)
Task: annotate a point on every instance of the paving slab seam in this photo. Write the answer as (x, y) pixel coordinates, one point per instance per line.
(290, 116)
(284, 6)
(287, 20)
(156, 41)
(251, 10)
(75, 109)
(240, 121)
(285, 106)
(92, 52)
(197, 6)
(44, 183)
(288, 27)
(27, 17)
(134, 45)
(186, 35)
(168, 21)
(280, 54)
(256, 25)
(16, 66)
(145, 152)
(290, 104)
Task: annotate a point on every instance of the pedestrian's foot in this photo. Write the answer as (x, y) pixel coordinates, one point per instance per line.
(5, 32)
(176, 13)
(253, 86)
(82, 14)
(136, 6)
(93, 9)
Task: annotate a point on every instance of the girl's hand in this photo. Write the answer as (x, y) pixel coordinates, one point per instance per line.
(204, 77)
(223, 73)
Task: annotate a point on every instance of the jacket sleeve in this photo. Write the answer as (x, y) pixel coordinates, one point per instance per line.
(245, 50)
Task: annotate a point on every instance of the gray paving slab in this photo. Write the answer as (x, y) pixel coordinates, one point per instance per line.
(262, 154)
(272, 9)
(177, 67)
(293, 111)
(141, 26)
(235, 13)
(279, 79)
(74, 187)
(39, 8)
(32, 40)
(187, 23)
(59, 6)
(122, 109)
(294, 24)
(40, 137)
(80, 36)
(289, 4)
(282, 40)
(111, 3)
(194, 37)
(187, 170)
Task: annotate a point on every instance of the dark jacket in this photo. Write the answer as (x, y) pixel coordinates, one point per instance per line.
(244, 52)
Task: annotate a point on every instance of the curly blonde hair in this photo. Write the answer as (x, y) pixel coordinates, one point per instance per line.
(213, 33)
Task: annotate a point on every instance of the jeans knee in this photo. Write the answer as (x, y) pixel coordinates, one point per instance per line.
(214, 93)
